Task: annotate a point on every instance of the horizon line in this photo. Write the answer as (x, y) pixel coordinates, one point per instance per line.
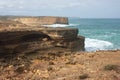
(65, 16)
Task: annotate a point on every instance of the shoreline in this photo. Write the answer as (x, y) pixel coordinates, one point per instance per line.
(29, 51)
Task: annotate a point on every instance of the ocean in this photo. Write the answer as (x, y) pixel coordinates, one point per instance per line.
(100, 34)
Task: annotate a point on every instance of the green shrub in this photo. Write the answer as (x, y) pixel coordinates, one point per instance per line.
(110, 67)
(83, 76)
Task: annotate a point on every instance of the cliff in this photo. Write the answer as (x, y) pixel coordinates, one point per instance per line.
(41, 53)
(28, 40)
(16, 36)
(37, 21)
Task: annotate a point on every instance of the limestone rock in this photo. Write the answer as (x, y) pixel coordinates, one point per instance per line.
(27, 38)
(37, 21)
(62, 33)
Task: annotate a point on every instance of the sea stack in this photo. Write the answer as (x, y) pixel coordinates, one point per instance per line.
(26, 35)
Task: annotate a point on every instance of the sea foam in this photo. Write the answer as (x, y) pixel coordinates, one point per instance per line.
(60, 25)
(95, 44)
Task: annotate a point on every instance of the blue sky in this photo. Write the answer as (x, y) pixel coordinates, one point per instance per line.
(70, 8)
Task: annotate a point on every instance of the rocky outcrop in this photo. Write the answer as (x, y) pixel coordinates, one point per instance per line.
(29, 39)
(26, 40)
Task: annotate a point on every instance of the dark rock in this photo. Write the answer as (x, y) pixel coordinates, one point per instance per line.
(30, 39)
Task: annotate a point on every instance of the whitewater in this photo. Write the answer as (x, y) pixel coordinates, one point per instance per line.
(100, 34)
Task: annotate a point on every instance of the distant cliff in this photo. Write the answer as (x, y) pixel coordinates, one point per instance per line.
(37, 21)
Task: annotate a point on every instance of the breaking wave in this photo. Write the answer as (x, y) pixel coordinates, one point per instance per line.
(95, 44)
(60, 25)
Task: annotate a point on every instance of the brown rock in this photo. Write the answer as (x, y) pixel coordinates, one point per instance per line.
(28, 39)
(37, 21)
(61, 33)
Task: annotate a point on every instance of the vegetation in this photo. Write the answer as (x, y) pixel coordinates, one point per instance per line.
(83, 76)
(110, 67)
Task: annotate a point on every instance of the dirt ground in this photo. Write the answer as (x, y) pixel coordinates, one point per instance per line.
(100, 65)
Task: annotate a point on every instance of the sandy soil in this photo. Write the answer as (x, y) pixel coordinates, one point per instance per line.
(100, 65)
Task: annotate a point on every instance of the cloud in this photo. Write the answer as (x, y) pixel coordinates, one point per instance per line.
(39, 4)
(9, 4)
(61, 7)
(52, 4)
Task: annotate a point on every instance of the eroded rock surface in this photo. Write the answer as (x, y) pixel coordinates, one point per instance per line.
(16, 36)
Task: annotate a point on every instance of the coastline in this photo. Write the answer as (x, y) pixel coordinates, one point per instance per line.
(29, 51)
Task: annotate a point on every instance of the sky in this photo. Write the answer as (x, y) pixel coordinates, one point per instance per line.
(68, 8)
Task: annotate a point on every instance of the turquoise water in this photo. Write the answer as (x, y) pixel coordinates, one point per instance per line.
(101, 34)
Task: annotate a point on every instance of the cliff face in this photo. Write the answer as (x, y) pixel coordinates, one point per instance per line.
(27, 39)
(37, 21)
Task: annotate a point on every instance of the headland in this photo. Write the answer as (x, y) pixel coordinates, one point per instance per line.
(30, 51)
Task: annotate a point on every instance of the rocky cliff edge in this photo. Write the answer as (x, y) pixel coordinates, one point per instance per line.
(17, 36)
